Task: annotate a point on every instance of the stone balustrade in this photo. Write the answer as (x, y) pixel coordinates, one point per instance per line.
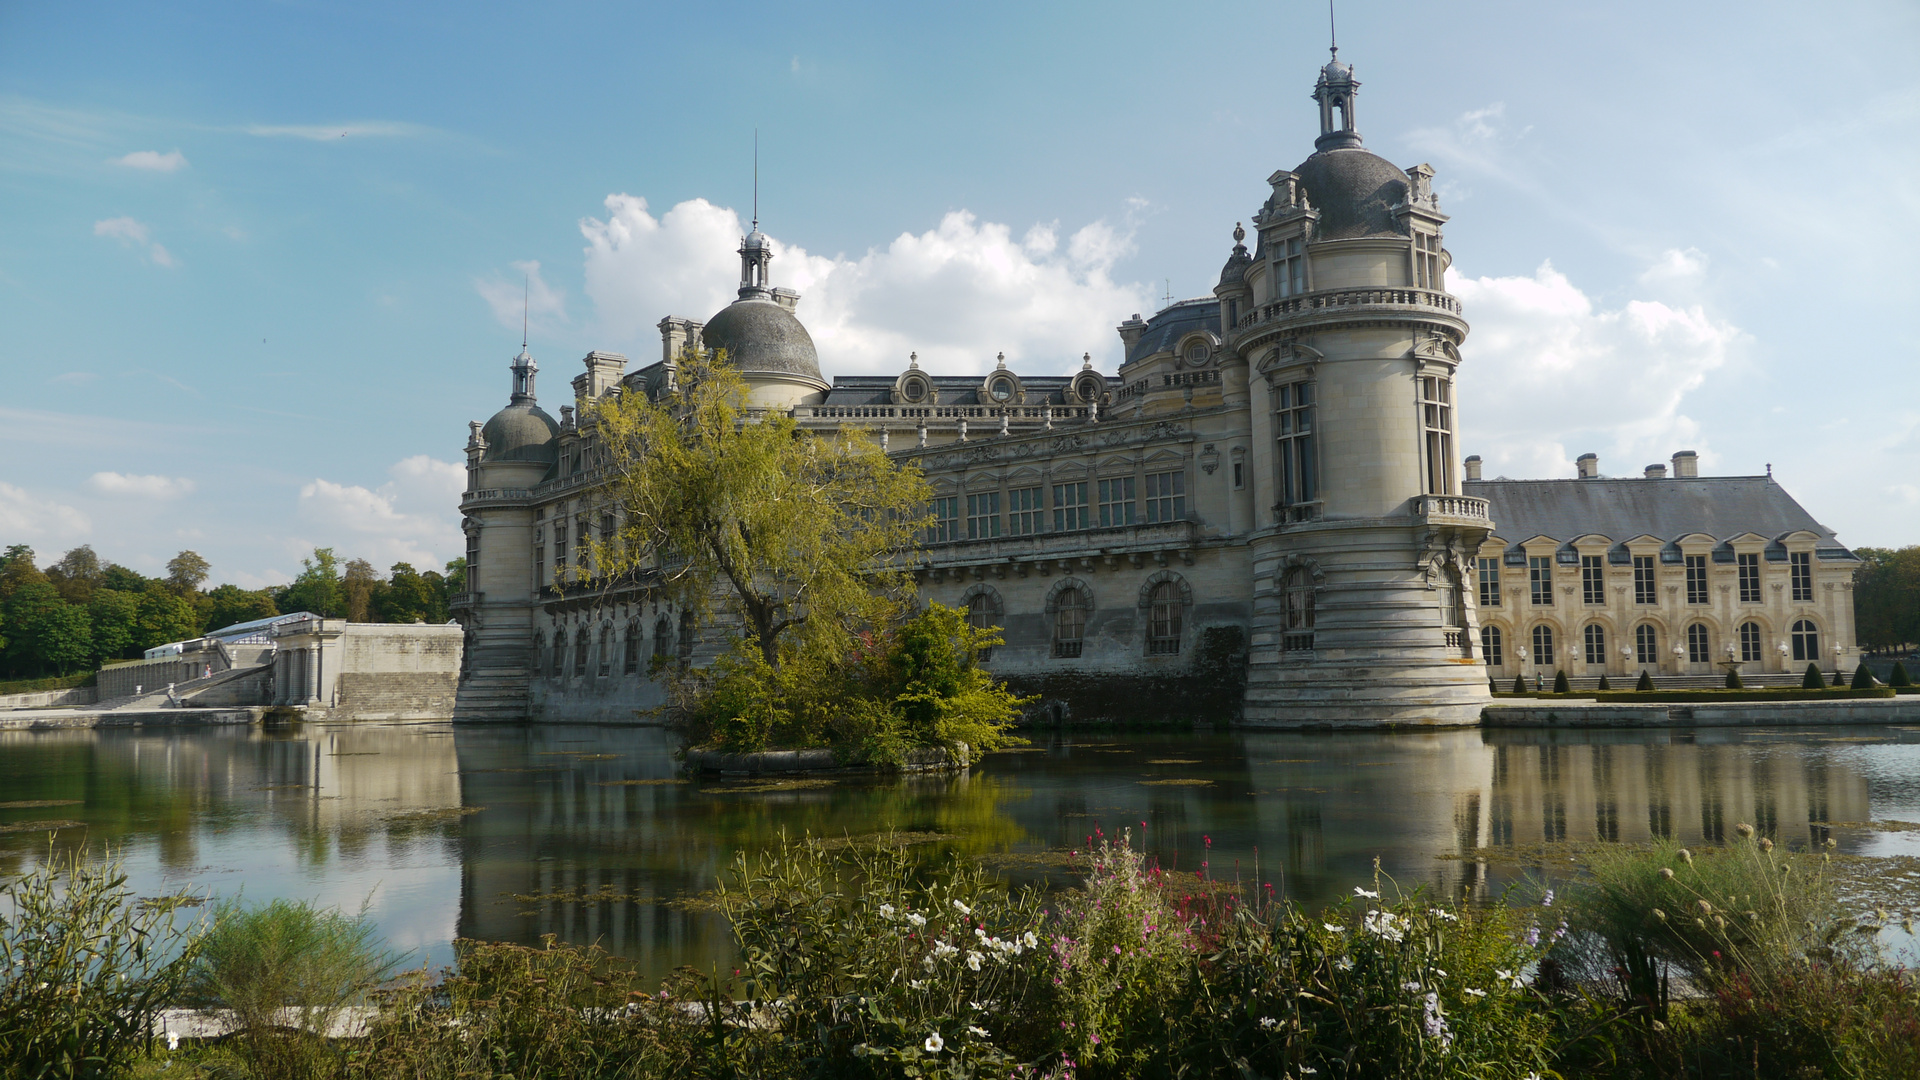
(1451, 506)
(1308, 303)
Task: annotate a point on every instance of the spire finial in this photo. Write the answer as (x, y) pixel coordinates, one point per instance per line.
(526, 302)
(756, 175)
(1333, 38)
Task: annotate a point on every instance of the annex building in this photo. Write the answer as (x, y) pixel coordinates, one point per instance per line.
(1261, 515)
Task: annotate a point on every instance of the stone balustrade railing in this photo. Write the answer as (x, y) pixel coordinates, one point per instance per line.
(1349, 298)
(1451, 506)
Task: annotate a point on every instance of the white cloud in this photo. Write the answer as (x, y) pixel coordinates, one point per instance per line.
(1676, 267)
(154, 161)
(414, 516)
(324, 132)
(140, 487)
(1548, 375)
(133, 234)
(957, 294)
(29, 517)
(542, 301)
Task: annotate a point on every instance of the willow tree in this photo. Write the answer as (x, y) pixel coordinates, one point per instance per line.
(804, 537)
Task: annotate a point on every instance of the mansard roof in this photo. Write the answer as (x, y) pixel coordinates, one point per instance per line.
(1722, 507)
(953, 389)
(1165, 329)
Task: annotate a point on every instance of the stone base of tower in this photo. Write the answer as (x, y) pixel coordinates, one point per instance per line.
(495, 670)
(1390, 635)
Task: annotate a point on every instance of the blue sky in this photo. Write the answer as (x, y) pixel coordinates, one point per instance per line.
(259, 263)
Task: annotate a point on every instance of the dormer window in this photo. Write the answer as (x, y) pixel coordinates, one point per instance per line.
(1426, 261)
(1197, 353)
(1001, 390)
(1290, 267)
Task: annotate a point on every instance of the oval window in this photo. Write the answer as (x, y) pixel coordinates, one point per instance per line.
(1002, 389)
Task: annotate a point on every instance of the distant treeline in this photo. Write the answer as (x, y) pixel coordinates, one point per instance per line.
(1886, 598)
(80, 612)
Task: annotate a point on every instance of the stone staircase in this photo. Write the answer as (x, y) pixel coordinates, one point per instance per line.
(183, 692)
(496, 694)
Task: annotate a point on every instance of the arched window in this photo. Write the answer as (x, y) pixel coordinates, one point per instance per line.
(559, 653)
(1806, 641)
(686, 637)
(606, 650)
(1749, 642)
(1163, 625)
(580, 653)
(1453, 609)
(1543, 645)
(1297, 593)
(1069, 623)
(539, 652)
(1646, 644)
(632, 655)
(1697, 650)
(983, 613)
(1596, 645)
(1490, 646)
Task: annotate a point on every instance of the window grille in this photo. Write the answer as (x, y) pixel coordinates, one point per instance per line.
(1696, 579)
(1806, 641)
(1643, 584)
(1426, 261)
(983, 516)
(580, 653)
(1646, 644)
(1298, 590)
(1596, 645)
(685, 643)
(559, 653)
(1489, 582)
(1436, 416)
(1296, 462)
(1698, 651)
(1069, 508)
(1750, 577)
(1163, 635)
(606, 651)
(1069, 623)
(1290, 266)
(1800, 562)
(1490, 646)
(945, 525)
(1543, 646)
(1024, 513)
(1166, 496)
(1540, 579)
(1593, 581)
(1116, 501)
(983, 613)
(631, 658)
(1749, 643)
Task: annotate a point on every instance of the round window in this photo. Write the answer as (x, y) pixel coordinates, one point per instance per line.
(1002, 389)
(914, 389)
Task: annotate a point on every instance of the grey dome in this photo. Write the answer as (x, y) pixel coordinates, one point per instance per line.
(761, 335)
(1355, 191)
(521, 432)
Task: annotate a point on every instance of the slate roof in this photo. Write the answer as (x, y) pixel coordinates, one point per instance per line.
(1355, 191)
(1171, 324)
(954, 389)
(761, 336)
(1722, 507)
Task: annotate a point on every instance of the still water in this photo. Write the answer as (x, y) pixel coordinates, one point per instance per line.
(508, 833)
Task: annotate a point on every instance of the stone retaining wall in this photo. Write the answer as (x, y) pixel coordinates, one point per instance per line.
(1900, 710)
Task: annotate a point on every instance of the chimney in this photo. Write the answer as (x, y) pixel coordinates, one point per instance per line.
(603, 374)
(1131, 330)
(1588, 466)
(1656, 472)
(1686, 464)
(1473, 467)
(675, 336)
(786, 298)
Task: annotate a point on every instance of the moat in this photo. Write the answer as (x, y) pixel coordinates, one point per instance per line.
(586, 832)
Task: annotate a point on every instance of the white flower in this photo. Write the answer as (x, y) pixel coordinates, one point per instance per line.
(918, 984)
(1410, 987)
(1440, 973)
(976, 1006)
(928, 964)
(1269, 1023)
(1358, 891)
(962, 908)
(973, 960)
(1334, 928)
(1345, 963)
(1508, 977)
(942, 949)
(173, 1040)
(1030, 941)
(1471, 992)
(1442, 913)
(917, 919)
(1308, 1070)
(977, 1032)
(1386, 925)
(886, 911)
(935, 1043)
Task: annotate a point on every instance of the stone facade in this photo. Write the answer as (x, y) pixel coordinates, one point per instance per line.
(1259, 517)
(337, 670)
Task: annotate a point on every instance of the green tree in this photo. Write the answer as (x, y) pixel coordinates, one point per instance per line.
(409, 596)
(17, 569)
(318, 588)
(77, 574)
(1886, 597)
(115, 618)
(804, 539)
(230, 604)
(456, 576)
(163, 616)
(119, 577)
(358, 589)
(46, 635)
(186, 571)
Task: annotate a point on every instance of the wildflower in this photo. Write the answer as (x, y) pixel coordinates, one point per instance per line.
(886, 911)
(962, 908)
(1440, 973)
(928, 963)
(1472, 993)
(1345, 963)
(1368, 894)
(1308, 1070)
(1686, 856)
(977, 1032)
(1269, 1023)
(1705, 908)
(173, 1040)
(973, 960)
(1658, 914)
(1666, 872)
(917, 984)
(1511, 978)
(1030, 941)
(1532, 937)
(1436, 1022)
(1766, 844)
(1094, 1039)
(1745, 830)
(1385, 925)
(976, 1006)
(1334, 928)
(917, 919)
(1443, 913)
(1547, 900)
(934, 1043)
(1410, 987)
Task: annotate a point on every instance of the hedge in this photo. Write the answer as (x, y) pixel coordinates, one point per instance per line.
(56, 682)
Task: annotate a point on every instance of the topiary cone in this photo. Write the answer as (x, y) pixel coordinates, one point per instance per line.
(1560, 685)
(1813, 680)
(1519, 684)
(1898, 677)
(1646, 681)
(1863, 677)
(1604, 685)
(1733, 680)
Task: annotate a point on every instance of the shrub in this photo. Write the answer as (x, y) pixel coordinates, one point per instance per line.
(1646, 681)
(1493, 685)
(1899, 677)
(1604, 684)
(1519, 684)
(84, 968)
(1560, 684)
(1733, 679)
(1863, 677)
(1813, 680)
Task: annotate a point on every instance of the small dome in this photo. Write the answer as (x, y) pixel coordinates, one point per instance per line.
(1335, 71)
(1236, 269)
(1355, 191)
(761, 335)
(756, 240)
(521, 432)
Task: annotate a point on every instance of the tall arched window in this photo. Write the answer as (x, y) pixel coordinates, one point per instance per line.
(1490, 646)
(686, 637)
(539, 652)
(559, 653)
(631, 655)
(662, 633)
(1749, 642)
(1543, 645)
(1698, 651)
(1806, 641)
(1596, 642)
(1297, 593)
(1163, 628)
(606, 650)
(1069, 623)
(1646, 644)
(1453, 608)
(580, 653)
(983, 613)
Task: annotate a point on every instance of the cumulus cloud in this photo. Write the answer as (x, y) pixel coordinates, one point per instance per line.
(414, 516)
(133, 234)
(505, 298)
(957, 294)
(30, 517)
(140, 487)
(1549, 374)
(154, 160)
